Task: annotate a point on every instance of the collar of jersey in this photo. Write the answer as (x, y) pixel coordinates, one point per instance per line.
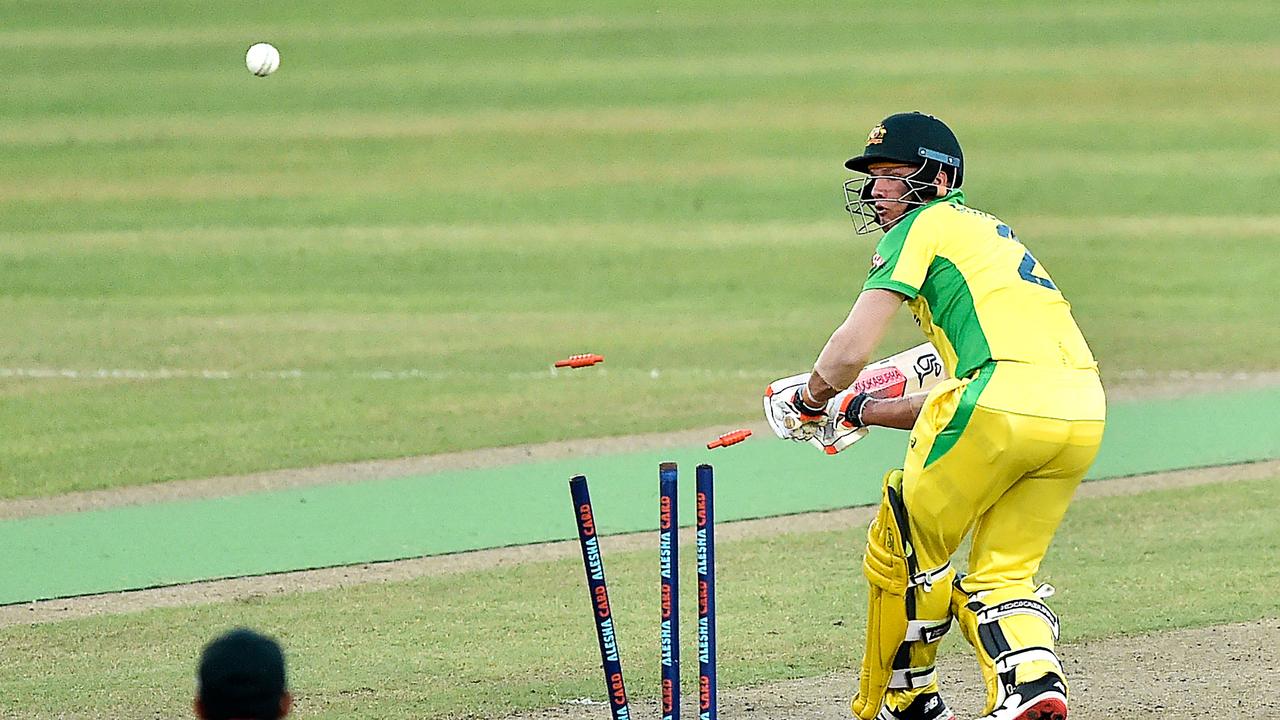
(905, 221)
(953, 196)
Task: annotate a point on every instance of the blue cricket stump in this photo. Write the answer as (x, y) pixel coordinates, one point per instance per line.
(669, 589)
(602, 611)
(706, 545)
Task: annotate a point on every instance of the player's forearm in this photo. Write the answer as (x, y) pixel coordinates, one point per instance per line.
(818, 391)
(839, 363)
(850, 346)
(900, 413)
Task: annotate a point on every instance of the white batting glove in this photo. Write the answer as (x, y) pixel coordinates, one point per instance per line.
(844, 425)
(788, 415)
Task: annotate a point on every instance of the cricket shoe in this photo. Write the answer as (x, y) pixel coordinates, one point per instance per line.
(1041, 699)
(927, 706)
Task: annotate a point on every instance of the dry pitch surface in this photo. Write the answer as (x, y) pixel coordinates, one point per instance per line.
(1214, 672)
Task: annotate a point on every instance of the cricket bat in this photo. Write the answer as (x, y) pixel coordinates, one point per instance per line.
(910, 371)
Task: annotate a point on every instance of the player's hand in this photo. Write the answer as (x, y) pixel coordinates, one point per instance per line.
(844, 425)
(849, 414)
(802, 419)
(790, 417)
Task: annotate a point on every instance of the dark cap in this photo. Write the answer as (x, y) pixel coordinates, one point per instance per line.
(913, 138)
(241, 675)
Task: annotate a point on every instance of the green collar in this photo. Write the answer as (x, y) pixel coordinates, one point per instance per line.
(905, 221)
(953, 196)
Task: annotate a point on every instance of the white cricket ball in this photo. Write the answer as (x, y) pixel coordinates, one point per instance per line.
(262, 59)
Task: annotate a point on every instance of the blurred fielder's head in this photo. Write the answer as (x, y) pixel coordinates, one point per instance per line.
(241, 677)
(909, 160)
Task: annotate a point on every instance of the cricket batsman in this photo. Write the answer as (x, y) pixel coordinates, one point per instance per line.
(998, 448)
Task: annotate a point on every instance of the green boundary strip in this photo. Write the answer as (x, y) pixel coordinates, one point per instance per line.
(168, 543)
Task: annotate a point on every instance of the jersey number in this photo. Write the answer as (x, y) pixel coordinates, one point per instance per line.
(1025, 270)
(1029, 264)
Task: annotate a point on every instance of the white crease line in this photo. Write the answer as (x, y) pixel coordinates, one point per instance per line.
(439, 375)
(411, 374)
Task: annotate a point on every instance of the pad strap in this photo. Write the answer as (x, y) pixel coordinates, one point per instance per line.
(912, 678)
(927, 578)
(926, 631)
(1020, 606)
(1012, 659)
(1007, 664)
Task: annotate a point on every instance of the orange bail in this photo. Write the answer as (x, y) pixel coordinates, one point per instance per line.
(729, 438)
(580, 361)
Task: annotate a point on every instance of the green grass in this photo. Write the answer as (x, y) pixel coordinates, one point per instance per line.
(487, 643)
(474, 193)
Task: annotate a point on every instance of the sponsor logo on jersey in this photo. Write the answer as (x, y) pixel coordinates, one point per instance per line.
(876, 136)
(876, 261)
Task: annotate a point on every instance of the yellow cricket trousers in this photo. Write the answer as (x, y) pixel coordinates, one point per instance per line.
(1000, 453)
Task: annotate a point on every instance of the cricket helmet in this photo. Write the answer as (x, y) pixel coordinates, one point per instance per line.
(913, 139)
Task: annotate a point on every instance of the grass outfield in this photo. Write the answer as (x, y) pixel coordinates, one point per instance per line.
(419, 213)
(491, 642)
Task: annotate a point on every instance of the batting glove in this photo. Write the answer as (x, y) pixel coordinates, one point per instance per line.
(851, 410)
(789, 416)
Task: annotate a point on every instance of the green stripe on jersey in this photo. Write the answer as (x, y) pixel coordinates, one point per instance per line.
(951, 305)
(890, 249)
(960, 420)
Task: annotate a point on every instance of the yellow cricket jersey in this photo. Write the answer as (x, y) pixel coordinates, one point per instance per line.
(979, 295)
